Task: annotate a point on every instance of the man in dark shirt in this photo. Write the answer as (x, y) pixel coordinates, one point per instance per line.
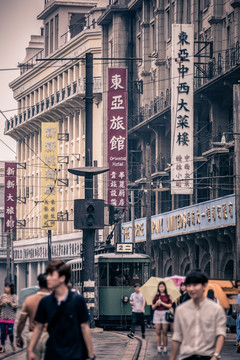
(67, 318)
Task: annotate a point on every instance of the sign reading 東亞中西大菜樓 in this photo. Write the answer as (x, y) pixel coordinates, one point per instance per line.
(182, 109)
(117, 137)
(208, 215)
(49, 176)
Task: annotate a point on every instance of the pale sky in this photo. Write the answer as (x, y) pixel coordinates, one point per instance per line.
(18, 21)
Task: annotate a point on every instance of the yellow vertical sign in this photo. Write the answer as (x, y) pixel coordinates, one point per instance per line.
(49, 176)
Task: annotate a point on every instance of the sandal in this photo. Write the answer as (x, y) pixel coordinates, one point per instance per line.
(2, 349)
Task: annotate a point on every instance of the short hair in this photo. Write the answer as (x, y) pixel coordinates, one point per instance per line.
(137, 285)
(210, 294)
(11, 286)
(196, 276)
(183, 283)
(42, 281)
(61, 267)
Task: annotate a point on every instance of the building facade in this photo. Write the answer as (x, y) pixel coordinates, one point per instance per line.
(141, 31)
(51, 88)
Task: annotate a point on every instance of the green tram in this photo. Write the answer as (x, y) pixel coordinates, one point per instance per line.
(115, 276)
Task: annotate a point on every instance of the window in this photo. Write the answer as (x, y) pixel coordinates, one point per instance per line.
(206, 3)
(188, 11)
(102, 274)
(139, 46)
(125, 274)
(51, 36)
(46, 38)
(111, 50)
(168, 24)
(153, 37)
(56, 32)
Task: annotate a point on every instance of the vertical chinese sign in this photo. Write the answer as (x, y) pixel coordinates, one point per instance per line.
(49, 176)
(182, 111)
(10, 199)
(117, 137)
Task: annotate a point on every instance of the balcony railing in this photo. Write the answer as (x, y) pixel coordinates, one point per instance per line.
(76, 87)
(31, 62)
(156, 106)
(220, 64)
(138, 171)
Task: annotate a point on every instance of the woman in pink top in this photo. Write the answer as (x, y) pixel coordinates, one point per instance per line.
(161, 304)
(8, 303)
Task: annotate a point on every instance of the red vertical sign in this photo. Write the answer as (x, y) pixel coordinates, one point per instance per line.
(10, 199)
(117, 137)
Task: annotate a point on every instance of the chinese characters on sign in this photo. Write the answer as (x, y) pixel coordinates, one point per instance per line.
(49, 176)
(182, 109)
(10, 204)
(117, 136)
(209, 215)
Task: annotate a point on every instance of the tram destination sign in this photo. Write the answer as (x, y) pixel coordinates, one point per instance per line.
(124, 248)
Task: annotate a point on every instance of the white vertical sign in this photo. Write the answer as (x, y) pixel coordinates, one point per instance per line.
(182, 111)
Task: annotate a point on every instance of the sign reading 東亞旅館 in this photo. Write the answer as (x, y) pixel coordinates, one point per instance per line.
(209, 215)
(117, 137)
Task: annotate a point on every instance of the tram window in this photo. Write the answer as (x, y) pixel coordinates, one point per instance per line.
(125, 274)
(103, 275)
(145, 272)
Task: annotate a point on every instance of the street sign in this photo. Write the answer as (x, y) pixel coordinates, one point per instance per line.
(124, 248)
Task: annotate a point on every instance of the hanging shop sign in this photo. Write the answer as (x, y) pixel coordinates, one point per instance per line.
(182, 111)
(209, 215)
(64, 249)
(117, 137)
(10, 198)
(49, 176)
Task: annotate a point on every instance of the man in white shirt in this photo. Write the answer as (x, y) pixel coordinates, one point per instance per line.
(138, 303)
(199, 324)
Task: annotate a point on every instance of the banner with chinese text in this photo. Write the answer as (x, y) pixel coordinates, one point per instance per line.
(10, 198)
(117, 137)
(182, 111)
(49, 176)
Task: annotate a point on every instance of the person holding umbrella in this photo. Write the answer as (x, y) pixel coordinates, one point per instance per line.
(161, 304)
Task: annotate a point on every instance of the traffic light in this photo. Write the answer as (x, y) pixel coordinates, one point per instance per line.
(113, 215)
(88, 214)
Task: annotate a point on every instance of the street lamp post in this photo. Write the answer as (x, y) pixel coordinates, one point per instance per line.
(92, 219)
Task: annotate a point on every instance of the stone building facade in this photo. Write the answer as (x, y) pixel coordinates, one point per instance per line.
(51, 88)
(141, 31)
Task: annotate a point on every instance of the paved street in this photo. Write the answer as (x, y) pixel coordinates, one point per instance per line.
(113, 346)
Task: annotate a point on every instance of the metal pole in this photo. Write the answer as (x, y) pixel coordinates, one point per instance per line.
(12, 253)
(133, 219)
(148, 200)
(49, 245)
(8, 257)
(89, 235)
(236, 167)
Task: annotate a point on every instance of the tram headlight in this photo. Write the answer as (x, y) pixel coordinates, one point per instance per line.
(125, 299)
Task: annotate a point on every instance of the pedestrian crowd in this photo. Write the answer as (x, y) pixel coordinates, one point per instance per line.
(198, 322)
(58, 320)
